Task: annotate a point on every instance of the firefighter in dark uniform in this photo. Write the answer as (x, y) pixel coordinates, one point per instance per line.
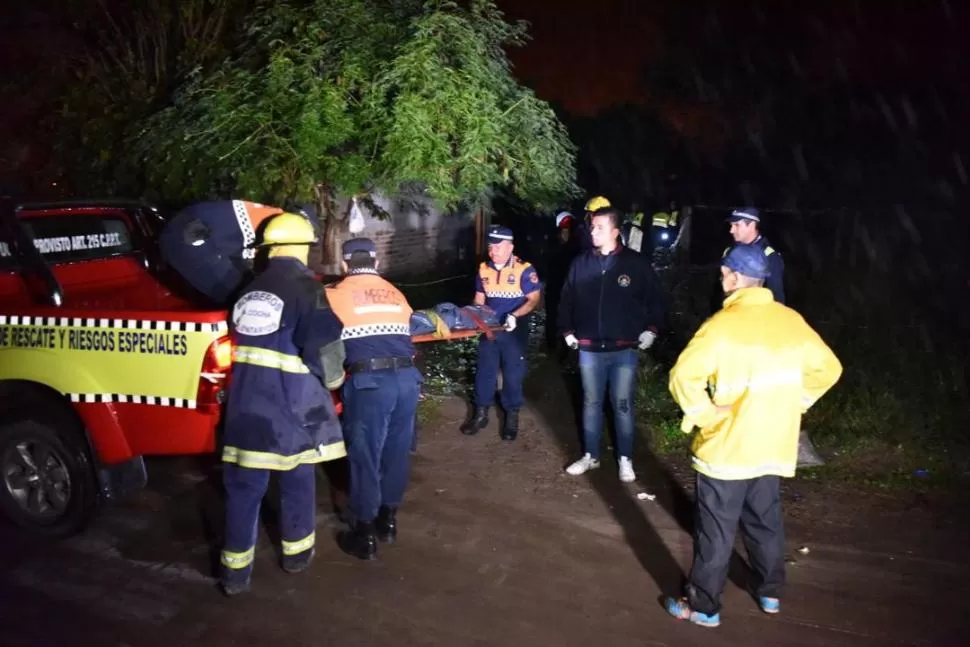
(745, 229)
(380, 397)
(511, 288)
(280, 416)
(212, 245)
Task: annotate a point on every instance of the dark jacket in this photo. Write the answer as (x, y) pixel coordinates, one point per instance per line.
(287, 352)
(608, 300)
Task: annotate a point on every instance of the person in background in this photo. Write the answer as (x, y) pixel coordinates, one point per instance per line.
(766, 367)
(583, 229)
(611, 305)
(746, 230)
(510, 287)
(565, 248)
(664, 226)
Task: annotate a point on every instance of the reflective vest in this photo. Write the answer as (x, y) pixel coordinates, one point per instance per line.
(375, 315)
(506, 289)
(664, 219)
(279, 414)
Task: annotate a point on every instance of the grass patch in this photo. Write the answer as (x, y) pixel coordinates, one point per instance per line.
(429, 410)
(899, 416)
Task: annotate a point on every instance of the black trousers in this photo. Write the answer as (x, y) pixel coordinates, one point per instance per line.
(721, 505)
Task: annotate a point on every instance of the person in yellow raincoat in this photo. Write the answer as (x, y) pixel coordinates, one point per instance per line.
(766, 367)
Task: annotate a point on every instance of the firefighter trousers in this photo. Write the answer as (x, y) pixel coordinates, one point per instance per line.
(721, 505)
(245, 489)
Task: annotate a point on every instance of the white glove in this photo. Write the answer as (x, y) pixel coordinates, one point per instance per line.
(509, 323)
(647, 338)
(571, 341)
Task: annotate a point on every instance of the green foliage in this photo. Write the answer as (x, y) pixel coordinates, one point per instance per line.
(353, 96)
(134, 56)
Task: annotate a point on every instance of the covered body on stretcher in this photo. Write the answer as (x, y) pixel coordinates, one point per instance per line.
(447, 321)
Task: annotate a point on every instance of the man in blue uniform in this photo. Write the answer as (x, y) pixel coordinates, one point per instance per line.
(745, 229)
(287, 353)
(380, 397)
(211, 245)
(511, 288)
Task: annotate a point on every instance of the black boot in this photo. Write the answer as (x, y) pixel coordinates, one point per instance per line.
(511, 427)
(386, 524)
(360, 541)
(297, 563)
(477, 422)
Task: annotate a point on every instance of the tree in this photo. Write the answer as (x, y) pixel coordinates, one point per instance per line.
(125, 62)
(337, 97)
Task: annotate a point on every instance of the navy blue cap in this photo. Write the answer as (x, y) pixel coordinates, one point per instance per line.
(748, 260)
(498, 235)
(747, 213)
(359, 245)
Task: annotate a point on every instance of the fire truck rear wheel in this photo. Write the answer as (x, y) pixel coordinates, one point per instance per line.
(48, 485)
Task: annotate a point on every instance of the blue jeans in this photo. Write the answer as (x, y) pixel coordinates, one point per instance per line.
(616, 371)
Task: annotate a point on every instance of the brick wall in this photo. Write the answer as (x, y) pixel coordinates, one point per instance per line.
(420, 243)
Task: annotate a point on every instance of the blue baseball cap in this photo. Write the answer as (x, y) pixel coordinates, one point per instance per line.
(747, 213)
(747, 260)
(498, 235)
(355, 245)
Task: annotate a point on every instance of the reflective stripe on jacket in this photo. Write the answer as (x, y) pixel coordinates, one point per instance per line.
(279, 413)
(664, 219)
(506, 288)
(375, 315)
(765, 363)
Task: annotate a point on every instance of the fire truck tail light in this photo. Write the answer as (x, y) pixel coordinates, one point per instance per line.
(215, 375)
(222, 353)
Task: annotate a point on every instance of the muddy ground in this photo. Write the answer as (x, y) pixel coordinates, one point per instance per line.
(497, 547)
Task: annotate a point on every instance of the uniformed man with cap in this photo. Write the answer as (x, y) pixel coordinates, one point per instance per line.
(510, 287)
(280, 415)
(380, 396)
(212, 245)
(745, 229)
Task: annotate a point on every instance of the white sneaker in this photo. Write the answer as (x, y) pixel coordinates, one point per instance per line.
(583, 465)
(627, 475)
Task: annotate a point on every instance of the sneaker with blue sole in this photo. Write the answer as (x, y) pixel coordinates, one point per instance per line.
(769, 605)
(682, 611)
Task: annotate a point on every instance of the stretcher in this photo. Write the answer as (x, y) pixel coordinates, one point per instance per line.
(444, 334)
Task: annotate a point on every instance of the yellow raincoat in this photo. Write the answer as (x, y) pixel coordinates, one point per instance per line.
(764, 362)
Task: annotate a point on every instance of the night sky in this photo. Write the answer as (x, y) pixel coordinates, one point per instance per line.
(588, 55)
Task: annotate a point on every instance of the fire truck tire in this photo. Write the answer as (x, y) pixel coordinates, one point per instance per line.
(48, 484)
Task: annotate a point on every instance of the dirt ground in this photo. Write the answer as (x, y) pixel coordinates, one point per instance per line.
(497, 547)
